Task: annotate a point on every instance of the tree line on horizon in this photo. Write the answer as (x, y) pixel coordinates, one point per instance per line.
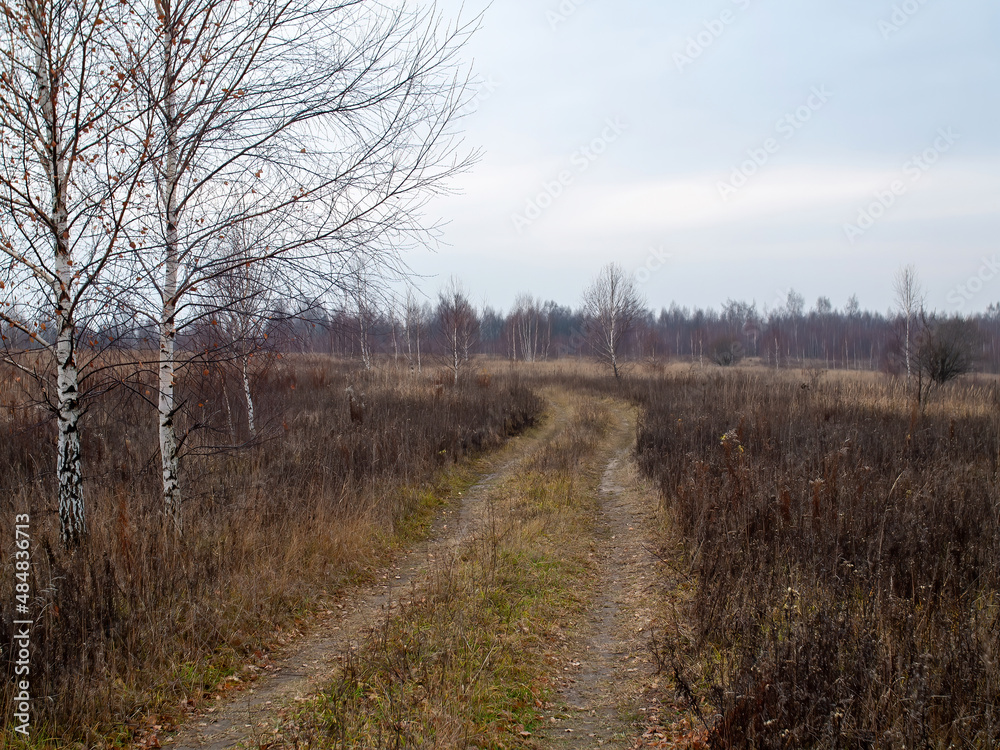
(412, 331)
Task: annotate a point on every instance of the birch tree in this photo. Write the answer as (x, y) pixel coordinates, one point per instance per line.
(331, 119)
(613, 304)
(909, 302)
(528, 318)
(72, 154)
(250, 301)
(416, 317)
(459, 326)
(361, 296)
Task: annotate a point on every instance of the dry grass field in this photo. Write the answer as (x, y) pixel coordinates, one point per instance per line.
(845, 551)
(139, 624)
(829, 556)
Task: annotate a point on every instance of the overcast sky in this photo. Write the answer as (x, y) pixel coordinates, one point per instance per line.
(729, 149)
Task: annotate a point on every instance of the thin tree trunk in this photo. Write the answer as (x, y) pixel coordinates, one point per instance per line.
(169, 460)
(229, 410)
(168, 324)
(249, 397)
(69, 468)
(409, 344)
(906, 349)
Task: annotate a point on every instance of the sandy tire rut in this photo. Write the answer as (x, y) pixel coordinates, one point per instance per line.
(604, 663)
(607, 663)
(302, 670)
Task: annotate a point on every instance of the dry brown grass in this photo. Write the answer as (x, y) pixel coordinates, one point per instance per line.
(137, 622)
(846, 549)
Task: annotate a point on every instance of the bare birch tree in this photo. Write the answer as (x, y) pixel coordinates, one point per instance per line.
(332, 119)
(613, 304)
(459, 326)
(909, 302)
(250, 300)
(361, 293)
(528, 320)
(71, 161)
(416, 320)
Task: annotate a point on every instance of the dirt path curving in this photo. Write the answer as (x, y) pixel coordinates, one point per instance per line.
(247, 719)
(605, 666)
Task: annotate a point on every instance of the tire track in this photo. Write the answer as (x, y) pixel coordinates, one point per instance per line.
(249, 718)
(608, 663)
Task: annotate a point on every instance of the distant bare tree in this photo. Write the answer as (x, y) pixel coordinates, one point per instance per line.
(528, 320)
(416, 320)
(824, 306)
(361, 292)
(613, 304)
(853, 307)
(459, 326)
(909, 302)
(248, 304)
(945, 349)
(795, 304)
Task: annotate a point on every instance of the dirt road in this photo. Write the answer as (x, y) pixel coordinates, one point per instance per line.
(603, 665)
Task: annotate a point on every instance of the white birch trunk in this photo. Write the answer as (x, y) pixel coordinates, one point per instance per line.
(69, 468)
(166, 404)
(169, 461)
(906, 346)
(249, 397)
(409, 344)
